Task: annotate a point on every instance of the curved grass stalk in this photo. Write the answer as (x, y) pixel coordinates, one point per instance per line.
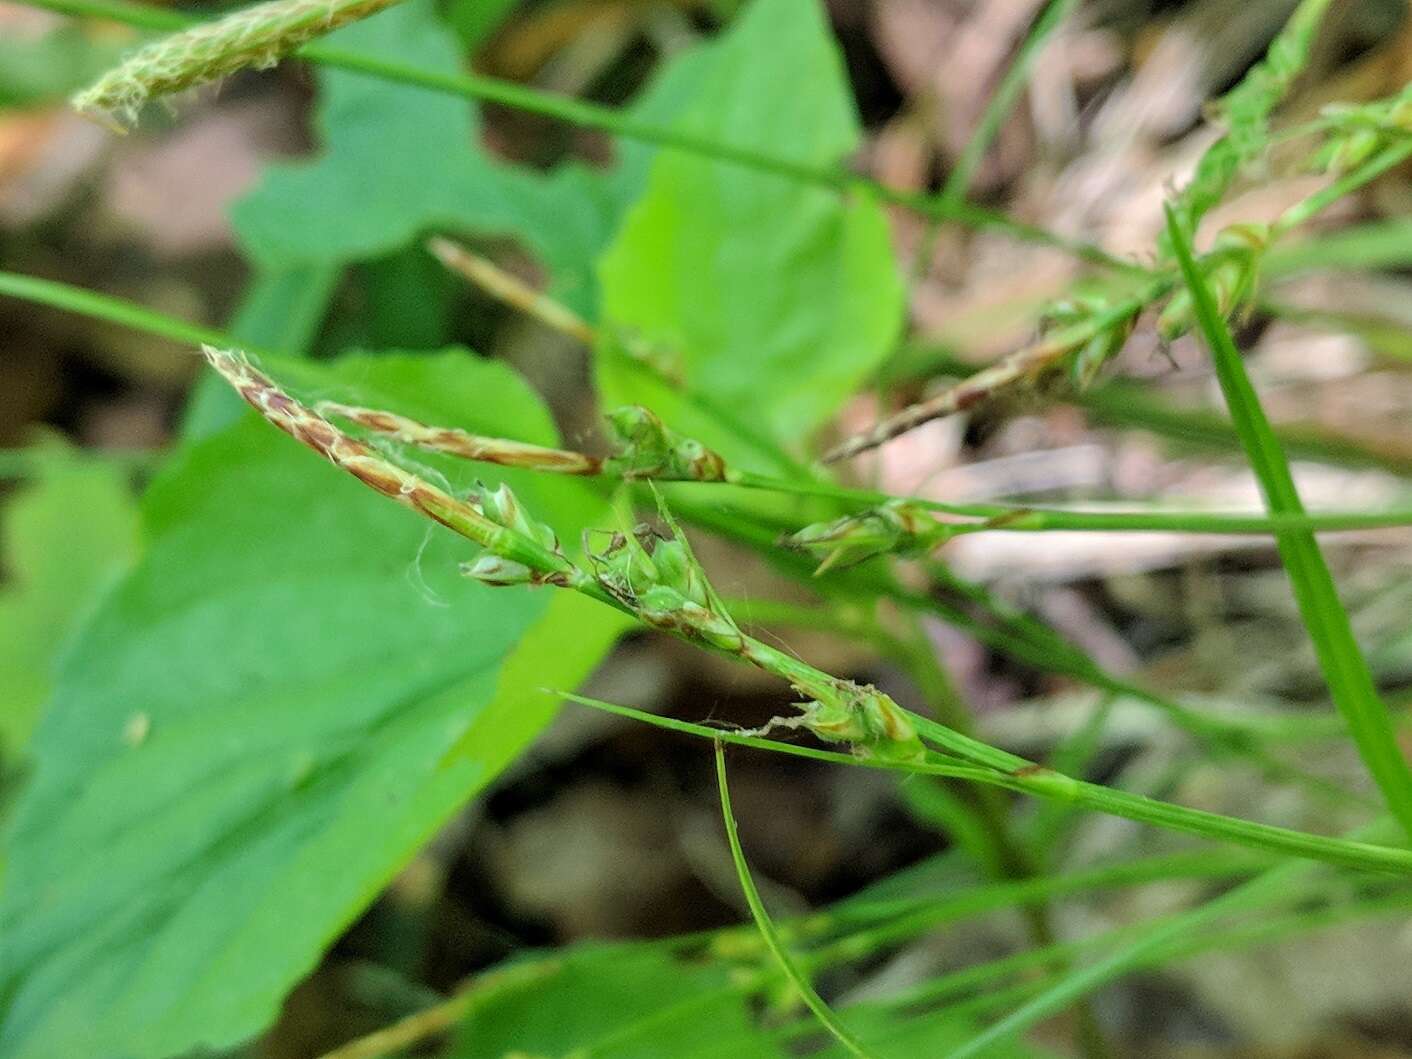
(800, 981)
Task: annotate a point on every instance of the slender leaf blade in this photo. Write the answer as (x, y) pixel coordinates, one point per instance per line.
(1345, 669)
(826, 1016)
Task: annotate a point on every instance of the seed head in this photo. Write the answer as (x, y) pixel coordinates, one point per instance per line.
(647, 448)
(896, 528)
(1356, 132)
(257, 36)
(659, 580)
(494, 570)
(840, 711)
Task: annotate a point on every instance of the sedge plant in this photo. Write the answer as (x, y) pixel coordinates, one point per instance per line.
(875, 563)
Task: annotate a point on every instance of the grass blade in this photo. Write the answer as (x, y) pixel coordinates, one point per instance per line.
(771, 936)
(1344, 667)
(71, 299)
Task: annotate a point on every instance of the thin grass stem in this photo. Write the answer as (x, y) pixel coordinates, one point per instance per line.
(797, 977)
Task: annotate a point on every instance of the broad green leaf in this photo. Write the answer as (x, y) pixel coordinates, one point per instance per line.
(407, 298)
(396, 159)
(770, 299)
(623, 1001)
(475, 20)
(400, 161)
(263, 722)
(65, 536)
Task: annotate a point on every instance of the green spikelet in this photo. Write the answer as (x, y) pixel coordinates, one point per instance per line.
(257, 36)
(1245, 111)
(896, 528)
(1232, 274)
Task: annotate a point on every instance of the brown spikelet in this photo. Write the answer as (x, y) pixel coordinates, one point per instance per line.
(348, 454)
(512, 290)
(455, 442)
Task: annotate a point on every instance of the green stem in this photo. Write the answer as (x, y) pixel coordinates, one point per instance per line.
(913, 918)
(1270, 885)
(97, 306)
(1020, 641)
(1173, 950)
(931, 767)
(1007, 518)
(1029, 778)
(1002, 848)
(1019, 519)
(1008, 770)
(1389, 158)
(614, 122)
(797, 977)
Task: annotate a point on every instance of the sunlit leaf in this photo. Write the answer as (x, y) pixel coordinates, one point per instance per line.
(769, 299)
(265, 720)
(65, 536)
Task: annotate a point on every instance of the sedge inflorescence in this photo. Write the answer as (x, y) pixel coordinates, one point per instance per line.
(257, 36)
